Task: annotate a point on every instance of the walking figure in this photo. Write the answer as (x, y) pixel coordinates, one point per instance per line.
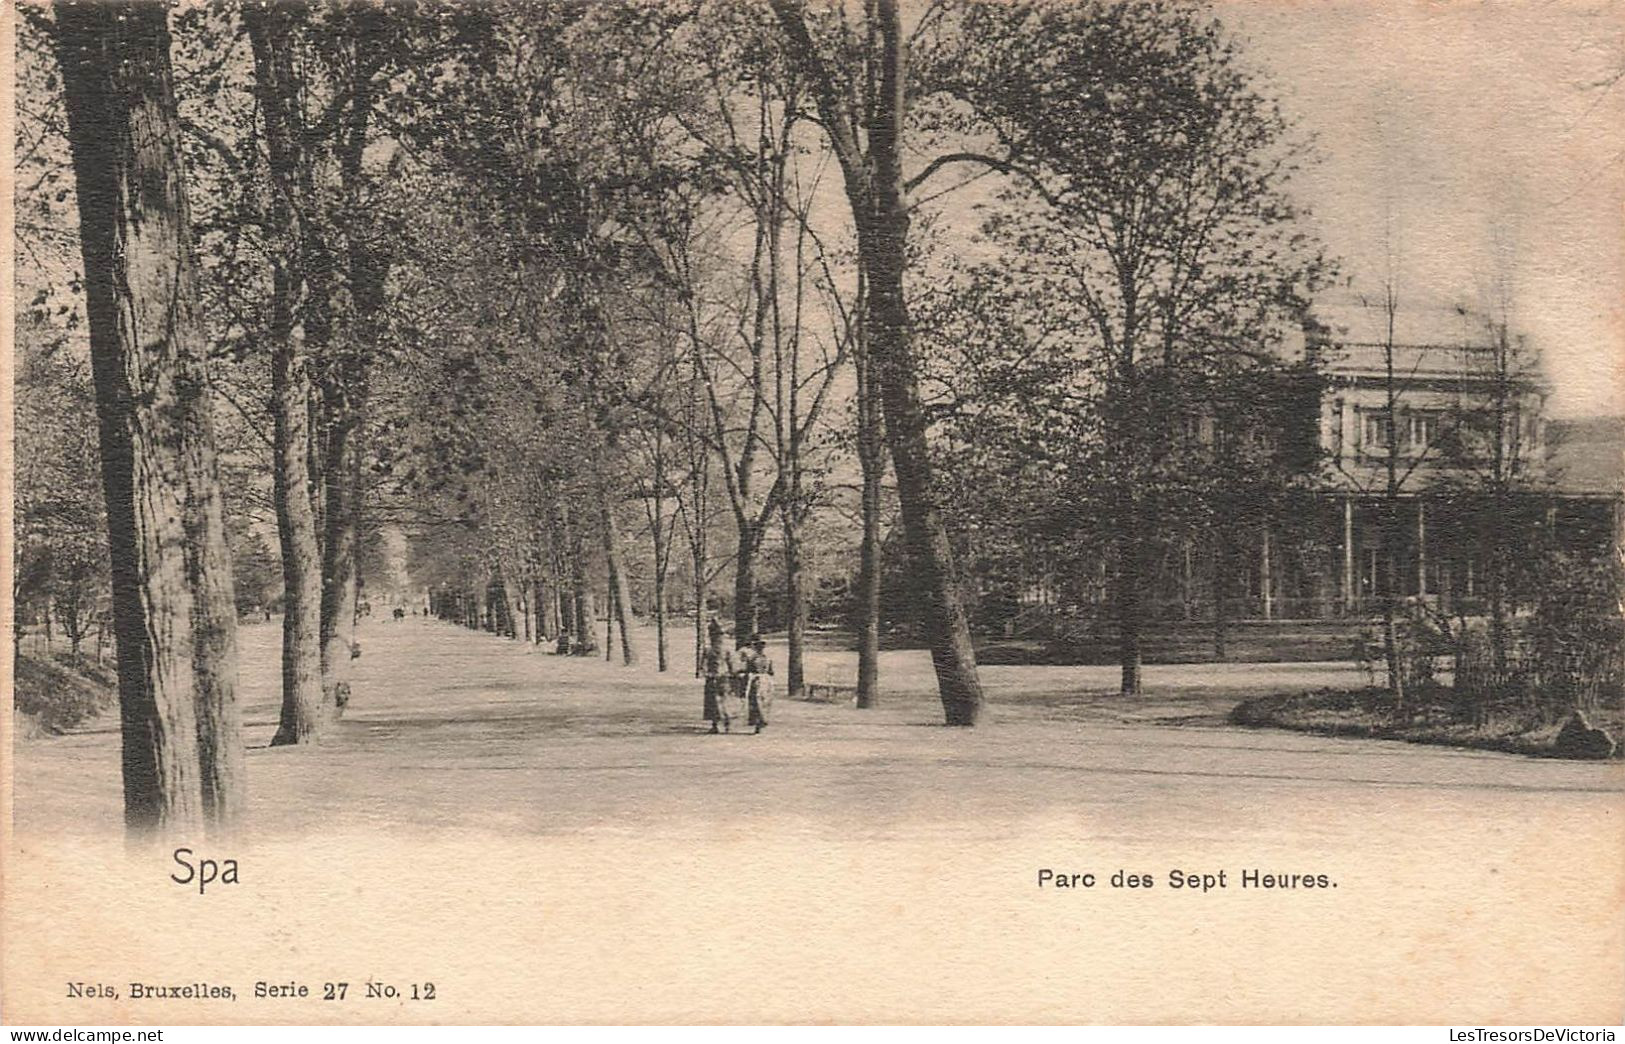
(714, 665)
(755, 669)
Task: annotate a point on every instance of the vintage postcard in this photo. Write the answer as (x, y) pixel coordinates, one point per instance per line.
(786, 511)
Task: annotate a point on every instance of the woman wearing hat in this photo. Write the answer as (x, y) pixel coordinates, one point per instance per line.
(756, 669)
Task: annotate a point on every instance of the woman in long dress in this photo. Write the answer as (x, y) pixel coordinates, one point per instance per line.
(757, 669)
(714, 663)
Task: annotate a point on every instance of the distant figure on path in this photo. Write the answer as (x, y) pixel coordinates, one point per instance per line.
(714, 665)
(757, 671)
(734, 683)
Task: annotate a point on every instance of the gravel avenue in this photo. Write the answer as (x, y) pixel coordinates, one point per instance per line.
(481, 799)
(454, 729)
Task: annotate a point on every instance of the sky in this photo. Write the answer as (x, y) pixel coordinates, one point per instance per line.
(1468, 149)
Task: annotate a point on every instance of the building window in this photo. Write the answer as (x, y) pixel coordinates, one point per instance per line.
(1424, 429)
(1376, 429)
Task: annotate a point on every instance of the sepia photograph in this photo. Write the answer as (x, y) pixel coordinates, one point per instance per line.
(762, 512)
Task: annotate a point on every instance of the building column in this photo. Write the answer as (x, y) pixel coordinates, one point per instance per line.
(1349, 595)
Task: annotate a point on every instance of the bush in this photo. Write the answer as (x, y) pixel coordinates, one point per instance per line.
(54, 695)
(1576, 636)
(1561, 648)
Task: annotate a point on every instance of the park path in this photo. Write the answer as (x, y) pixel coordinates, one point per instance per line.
(555, 840)
(455, 729)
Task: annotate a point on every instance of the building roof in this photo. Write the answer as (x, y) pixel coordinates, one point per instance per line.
(1351, 321)
(1430, 343)
(1412, 362)
(1587, 455)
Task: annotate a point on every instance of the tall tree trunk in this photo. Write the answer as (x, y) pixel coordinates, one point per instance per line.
(586, 641)
(214, 630)
(303, 712)
(701, 595)
(568, 627)
(1125, 443)
(1223, 556)
(745, 612)
(338, 486)
(662, 550)
(551, 621)
(695, 513)
(302, 695)
(513, 600)
(1391, 650)
(344, 386)
(340, 479)
(345, 382)
(176, 651)
(562, 629)
(1392, 654)
(341, 395)
(1130, 605)
(586, 610)
(1500, 618)
(871, 450)
(661, 659)
(343, 405)
(620, 592)
(935, 592)
(874, 185)
(795, 596)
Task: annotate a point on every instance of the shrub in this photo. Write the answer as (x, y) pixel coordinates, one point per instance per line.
(54, 695)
